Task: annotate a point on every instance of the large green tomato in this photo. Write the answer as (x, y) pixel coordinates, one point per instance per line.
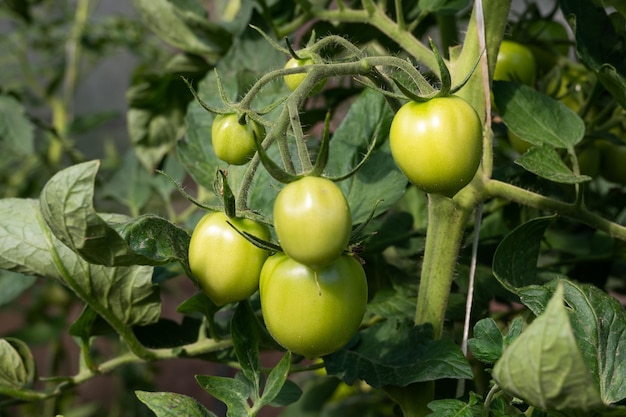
(312, 220)
(437, 144)
(515, 62)
(233, 142)
(312, 312)
(226, 265)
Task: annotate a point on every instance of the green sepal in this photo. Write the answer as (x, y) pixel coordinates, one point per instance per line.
(322, 155)
(222, 190)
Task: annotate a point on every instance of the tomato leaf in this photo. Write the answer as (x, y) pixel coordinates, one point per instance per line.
(398, 353)
(124, 295)
(17, 366)
(556, 377)
(488, 342)
(536, 117)
(231, 391)
(545, 162)
(367, 120)
(275, 382)
(12, 285)
(185, 25)
(597, 320)
(17, 132)
(456, 408)
(246, 344)
(169, 404)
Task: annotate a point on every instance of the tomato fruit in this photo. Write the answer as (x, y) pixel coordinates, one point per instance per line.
(515, 62)
(233, 142)
(517, 143)
(312, 220)
(312, 312)
(589, 160)
(437, 144)
(293, 81)
(226, 265)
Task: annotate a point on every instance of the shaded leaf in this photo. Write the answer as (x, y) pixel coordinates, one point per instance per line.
(554, 375)
(88, 324)
(184, 25)
(246, 344)
(515, 259)
(17, 136)
(536, 117)
(398, 353)
(276, 381)
(456, 408)
(169, 404)
(545, 162)
(368, 119)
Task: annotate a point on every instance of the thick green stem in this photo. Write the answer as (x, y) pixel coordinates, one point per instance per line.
(446, 224)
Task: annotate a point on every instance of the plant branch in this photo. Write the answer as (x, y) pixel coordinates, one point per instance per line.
(499, 189)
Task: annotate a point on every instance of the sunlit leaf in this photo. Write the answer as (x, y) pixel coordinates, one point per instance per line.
(169, 404)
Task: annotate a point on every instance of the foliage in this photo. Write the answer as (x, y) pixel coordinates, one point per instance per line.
(523, 265)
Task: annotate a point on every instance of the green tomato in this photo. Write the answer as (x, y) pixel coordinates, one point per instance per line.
(226, 265)
(612, 161)
(437, 144)
(515, 62)
(312, 312)
(293, 81)
(312, 220)
(517, 143)
(233, 142)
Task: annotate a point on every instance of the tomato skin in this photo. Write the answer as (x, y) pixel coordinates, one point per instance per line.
(312, 220)
(515, 62)
(233, 142)
(226, 265)
(312, 312)
(293, 81)
(437, 144)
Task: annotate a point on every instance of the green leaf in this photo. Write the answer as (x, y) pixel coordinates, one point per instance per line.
(368, 119)
(536, 117)
(232, 392)
(398, 353)
(456, 408)
(276, 381)
(12, 285)
(554, 375)
(545, 162)
(614, 82)
(124, 294)
(488, 342)
(17, 366)
(599, 325)
(185, 25)
(198, 303)
(169, 404)
(88, 324)
(515, 259)
(17, 136)
(67, 206)
(443, 6)
(246, 344)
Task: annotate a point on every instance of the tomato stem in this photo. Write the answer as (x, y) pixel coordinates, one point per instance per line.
(446, 224)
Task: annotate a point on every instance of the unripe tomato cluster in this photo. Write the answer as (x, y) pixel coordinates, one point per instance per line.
(313, 296)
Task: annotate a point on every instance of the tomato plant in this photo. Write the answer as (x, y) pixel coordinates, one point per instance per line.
(437, 144)
(515, 63)
(232, 141)
(312, 221)
(396, 247)
(226, 265)
(312, 312)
